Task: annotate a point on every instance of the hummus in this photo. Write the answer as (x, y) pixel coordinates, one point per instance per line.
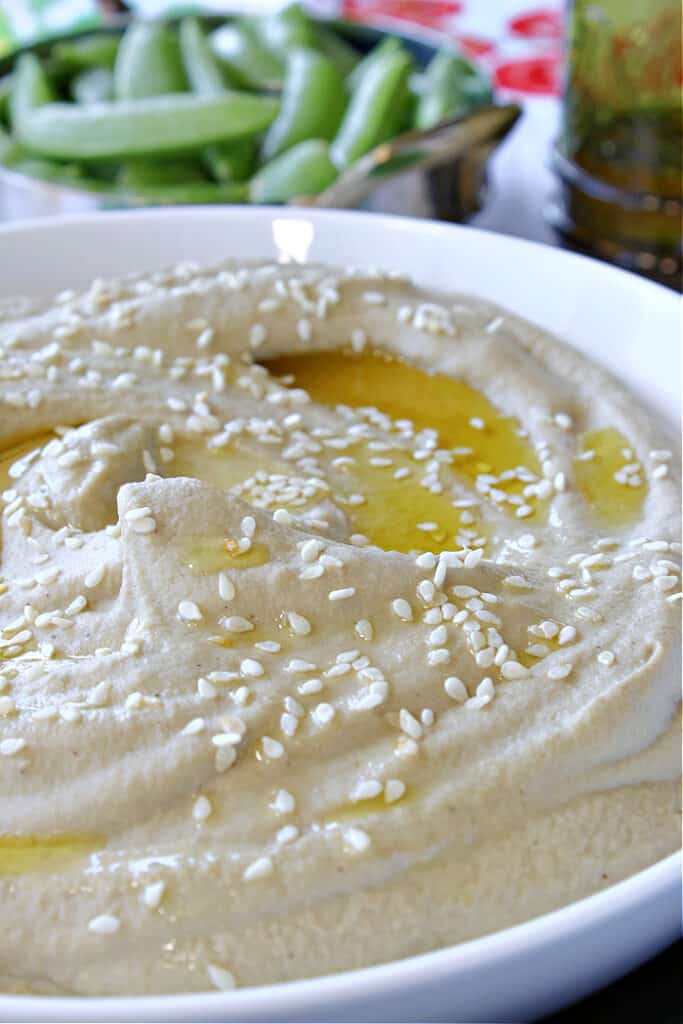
(337, 623)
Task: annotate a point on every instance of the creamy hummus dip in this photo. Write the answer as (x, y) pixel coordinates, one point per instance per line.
(338, 622)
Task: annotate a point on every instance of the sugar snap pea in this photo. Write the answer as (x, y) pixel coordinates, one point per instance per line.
(304, 170)
(282, 31)
(449, 87)
(148, 62)
(30, 89)
(390, 44)
(93, 85)
(194, 192)
(160, 124)
(94, 51)
(313, 103)
(8, 147)
(204, 73)
(376, 108)
(5, 92)
(70, 175)
(249, 62)
(175, 181)
(343, 54)
(228, 161)
(161, 172)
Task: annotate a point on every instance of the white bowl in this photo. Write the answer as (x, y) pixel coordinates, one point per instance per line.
(624, 322)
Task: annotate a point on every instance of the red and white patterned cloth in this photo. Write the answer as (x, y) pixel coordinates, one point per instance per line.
(521, 47)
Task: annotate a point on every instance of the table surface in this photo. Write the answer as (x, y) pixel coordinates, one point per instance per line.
(519, 44)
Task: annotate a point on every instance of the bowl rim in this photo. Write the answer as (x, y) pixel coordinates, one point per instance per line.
(659, 882)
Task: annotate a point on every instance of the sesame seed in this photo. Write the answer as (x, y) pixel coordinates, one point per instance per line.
(366, 790)
(473, 558)
(394, 789)
(226, 588)
(409, 724)
(486, 688)
(402, 609)
(342, 594)
(10, 747)
(260, 868)
(299, 665)
(310, 550)
(224, 758)
(251, 668)
(363, 629)
(356, 840)
(438, 637)
(104, 924)
(7, 707)
(323, 713)
(289, 723)
(607, 658)
(188, 611)
(236, 624)
(513, 670)
(287, 834)
(194, 726)
(456, 689)
(95, 577)
(206, 689)
(567, 635)
(146, 525)
(152, 894)
(559, 671)
(221, 978)
(298, 624)
(273, 749)
(201, 808)
(284, 802)
(665, 583)
(310, 686)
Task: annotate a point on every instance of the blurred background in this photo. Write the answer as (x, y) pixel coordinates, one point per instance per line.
(559, 123)
(593, 161)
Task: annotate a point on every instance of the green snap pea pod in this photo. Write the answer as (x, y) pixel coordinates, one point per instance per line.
(376, 109)
(304, 170)
(282, 31)
(175, 181)
(95, 51)
(71, 175)
(204, 73)
(228, 161)
(5, 93)
(30, 89)
(94, 85)
(313, 103)
(158, 125)
(194, 192)
(248, 61)
(449, 87)
(151, 173)
(148, 62)
(232, 161)
(390, 44)
(345, 56)
(8, 147)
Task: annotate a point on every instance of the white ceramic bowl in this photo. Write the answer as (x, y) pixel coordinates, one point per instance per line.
(624, 322)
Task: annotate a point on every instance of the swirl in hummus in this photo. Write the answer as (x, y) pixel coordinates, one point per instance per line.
(337, 623)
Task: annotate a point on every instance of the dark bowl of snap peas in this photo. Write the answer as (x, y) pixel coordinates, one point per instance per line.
(249, 109)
